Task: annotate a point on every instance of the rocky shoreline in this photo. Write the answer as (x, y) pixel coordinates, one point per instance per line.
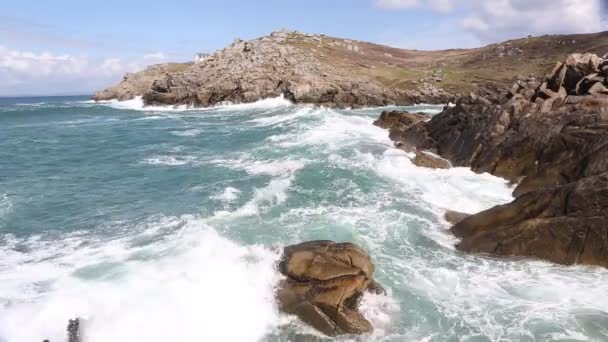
(335, 72)
(549, 137)
(281, 64)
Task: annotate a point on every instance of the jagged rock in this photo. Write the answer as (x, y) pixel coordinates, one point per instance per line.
(136, 84)
(553, 143)
(424, 159)
(546, 140)
(278, 65)
(566, 225)
(325, 282)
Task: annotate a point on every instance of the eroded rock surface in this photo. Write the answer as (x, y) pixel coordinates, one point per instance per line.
(566, 225)
(331, 71)
(533, 134)
(551, 137)
(455, 217)
(137, 84)
(425, 159)
(325, 282)
(288, 64)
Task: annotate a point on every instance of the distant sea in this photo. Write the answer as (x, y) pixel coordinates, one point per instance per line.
(164, 224)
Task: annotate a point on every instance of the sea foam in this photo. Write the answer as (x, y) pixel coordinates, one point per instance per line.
(137, 104)
(202, 285)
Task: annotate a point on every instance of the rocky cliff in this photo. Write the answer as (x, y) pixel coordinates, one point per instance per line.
(340, 72)
(551, 137)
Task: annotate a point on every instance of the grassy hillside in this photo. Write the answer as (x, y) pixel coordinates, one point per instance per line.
(456, 70)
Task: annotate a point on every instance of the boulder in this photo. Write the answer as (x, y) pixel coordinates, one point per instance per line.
(425, 159)
(325, 282)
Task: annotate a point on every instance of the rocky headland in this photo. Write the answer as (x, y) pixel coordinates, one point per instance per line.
(329, 71)
(550, 137)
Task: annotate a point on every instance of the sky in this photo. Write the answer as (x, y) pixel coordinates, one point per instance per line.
(65, 47)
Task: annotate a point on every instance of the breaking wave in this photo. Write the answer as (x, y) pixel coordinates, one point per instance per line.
(168, 228)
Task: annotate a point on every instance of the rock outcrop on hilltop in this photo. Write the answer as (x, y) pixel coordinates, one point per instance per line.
(551, 137)
(137, 84)
(325, 282)
(324, 70)
(277, 65)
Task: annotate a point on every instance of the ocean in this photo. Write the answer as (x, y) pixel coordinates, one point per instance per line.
(165, 224)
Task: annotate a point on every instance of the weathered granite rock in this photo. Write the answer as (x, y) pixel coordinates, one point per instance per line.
(552, 139)
(268, 67)
(399, 122)
(455, 217)
(325, 282)
(400, 119)
(542, 137)
(424, 159)
(136, 84)
(566, 225)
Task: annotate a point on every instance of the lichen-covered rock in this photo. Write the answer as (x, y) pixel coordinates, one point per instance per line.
(324, 284)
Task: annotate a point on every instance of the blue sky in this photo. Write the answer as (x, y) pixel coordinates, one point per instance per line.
(75, 47)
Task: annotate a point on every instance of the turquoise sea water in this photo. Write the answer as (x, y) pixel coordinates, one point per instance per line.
(164, 224)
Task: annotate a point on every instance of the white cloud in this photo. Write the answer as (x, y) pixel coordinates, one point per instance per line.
(492, 20)
(397, 3)
(503, 19)
(27, 72)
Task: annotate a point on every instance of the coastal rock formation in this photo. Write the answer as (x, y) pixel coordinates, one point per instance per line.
(325, 282)
(399, 122)
(551, 137)
(324, 70)
(399, 119)
(566, 225)
(136, 84)
(425, 159)
(533, 134)
(455, 217)
(282, 64)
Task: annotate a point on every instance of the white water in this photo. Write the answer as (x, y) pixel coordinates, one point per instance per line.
(193, 277)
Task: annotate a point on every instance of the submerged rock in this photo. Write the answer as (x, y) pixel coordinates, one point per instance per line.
(325, 282)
